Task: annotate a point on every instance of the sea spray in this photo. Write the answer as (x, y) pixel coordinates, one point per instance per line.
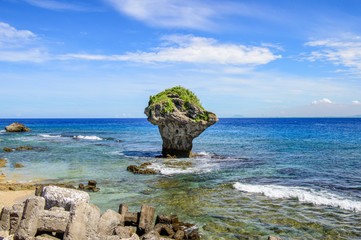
(305, 195)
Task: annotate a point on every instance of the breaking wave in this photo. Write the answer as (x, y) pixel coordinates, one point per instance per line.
(87, 137)
(305, 195)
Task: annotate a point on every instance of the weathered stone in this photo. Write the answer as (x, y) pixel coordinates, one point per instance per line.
(63, 197)
(123, 209)
(180, 119)
(46, 237)
(54, 220)
(152, 235)
(18, 165)
(274, 238)
(3, 162)
(6, 149)
(108, 222)
(174, 219)
(179, 235)
(192, 233)
(140, 170)
(5, 219)
(83, 222)
(17, 127)
(162, 218)
(92, 183)
(16, 214)
(164, 229)
(124, 232)
(29, 222)
(146, 219)
(131, 219)
(57, 209)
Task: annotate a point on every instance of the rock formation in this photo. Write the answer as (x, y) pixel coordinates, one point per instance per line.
(17, 127)
(61, 213)
(180, 118)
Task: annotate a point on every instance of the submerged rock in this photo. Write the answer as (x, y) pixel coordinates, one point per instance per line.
(180, 118)
(6, 149)
(18, 165)
(142, 169)
(3, 162)
(17, 127)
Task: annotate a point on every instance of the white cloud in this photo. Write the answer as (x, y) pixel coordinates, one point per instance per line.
(11, 36)
(167, 13)
(356, 102)
(54, 5)
(345, 52)
(322, 101)
(15, 45)
(191, 49)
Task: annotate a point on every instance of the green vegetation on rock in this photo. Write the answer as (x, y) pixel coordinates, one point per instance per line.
(166, 99)
(163, 97)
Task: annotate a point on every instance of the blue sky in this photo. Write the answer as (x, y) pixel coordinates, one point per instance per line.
(103, 58)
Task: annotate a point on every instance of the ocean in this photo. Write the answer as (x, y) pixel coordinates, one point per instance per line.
(298, 178)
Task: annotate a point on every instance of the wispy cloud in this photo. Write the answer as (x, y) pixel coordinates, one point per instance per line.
(10, 36)
(193, 14)
(55, 5)
(322, 101)
(16, 45)
(191, 49)
(344, 52)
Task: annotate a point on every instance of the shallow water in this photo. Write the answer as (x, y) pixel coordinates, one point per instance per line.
(296, 178)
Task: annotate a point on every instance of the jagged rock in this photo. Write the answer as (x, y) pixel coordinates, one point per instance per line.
(108, 222)
(63, 197)
(90, 187)
(179, 235)
(18, 165)
(180, 118)
(16, 214)
(146, 219)
(83, 222)
(3, 162)
(17, 127)
(140, 170)
(164, 230)
(152, 235)
(5, 219)
(6, 149)
(29, 222)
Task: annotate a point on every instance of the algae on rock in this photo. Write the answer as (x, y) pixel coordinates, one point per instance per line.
(180, 118)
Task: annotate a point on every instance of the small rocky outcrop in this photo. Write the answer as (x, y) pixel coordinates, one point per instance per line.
(92, 186)
(6, 149)
(142, 169)
(17, 127)
(18, 165)
(180, 118)
(67, 214)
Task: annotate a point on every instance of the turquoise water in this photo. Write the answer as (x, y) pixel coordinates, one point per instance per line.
(296, 178)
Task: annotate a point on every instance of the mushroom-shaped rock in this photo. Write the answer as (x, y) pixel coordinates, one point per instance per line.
(17, 127)
(180, 118)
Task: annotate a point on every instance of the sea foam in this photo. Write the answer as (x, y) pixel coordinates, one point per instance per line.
(87, 137)
(49, 136)
(306, 195)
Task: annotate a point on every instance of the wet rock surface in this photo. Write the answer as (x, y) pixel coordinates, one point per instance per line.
(180, 119)
(17, 127)
(142, 169)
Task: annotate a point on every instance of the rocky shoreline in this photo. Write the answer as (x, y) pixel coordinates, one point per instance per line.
(63, 213)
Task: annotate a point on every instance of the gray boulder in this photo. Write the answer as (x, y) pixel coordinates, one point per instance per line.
(108, 222)
(180, 118)
(17, 127)
(63, 197)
